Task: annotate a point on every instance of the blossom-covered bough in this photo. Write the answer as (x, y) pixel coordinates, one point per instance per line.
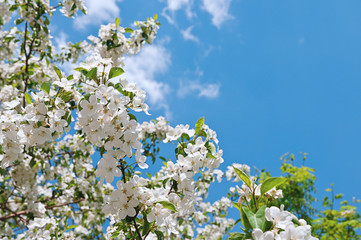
(48, 185)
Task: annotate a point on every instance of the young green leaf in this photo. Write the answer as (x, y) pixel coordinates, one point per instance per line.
(244, 220)
(19, 20)
(243, 177)
(237, 236)
(210, 147)
(58, 72)
(168, 205)
(131, 116)
(80, 69)
(115, 71)
(28, 98)
(92, 74)
(66, 96)
(71, 227)
(236, 205)
(146, 227)
(117, 21)
(257, 220)
(199, 124)
(128, 30)
(45, 87)
(185, 136)
(160, 235)
(67, 117)
(271, 183)
(202, 133)
(13, 7)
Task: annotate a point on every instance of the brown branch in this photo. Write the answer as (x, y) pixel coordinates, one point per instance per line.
(27, 57)
(146, 235)
(136, 228)
(17, 214)
(26, 67)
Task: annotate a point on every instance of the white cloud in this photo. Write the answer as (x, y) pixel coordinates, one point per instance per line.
(99, 11)
(218, 9)
(60, 42)
(208, 50)
(187, 35)
(200, 89)
(143, 69)
(175, 5)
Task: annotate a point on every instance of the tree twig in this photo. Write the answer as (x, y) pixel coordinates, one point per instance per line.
(17, 214)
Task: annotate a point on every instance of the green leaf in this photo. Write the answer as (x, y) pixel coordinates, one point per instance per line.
(28, 98)
(243, 177)
(45, 87)
(244, 220)
(45, 29)
(82, 70)
(73, 7)
(160, 235)
(168, 205)
(185, 136)
(67, 96)
(19, 20)
(115, 234)
(210, 147)
(338, 196)
(46, 22)
(199, 124)
(131, 116)
(267, 226)
(202, 133)
(13, 7)
(115, 71)
(33, 163)
(271, 183)
(128, 30)
(71, 227)
(67, 117)
(237, 236)
(257, 220)
(210, 155)
(117, 21)
(58, 72)
(146, 225)
(164, 182)
(236, 205)
(92, 74)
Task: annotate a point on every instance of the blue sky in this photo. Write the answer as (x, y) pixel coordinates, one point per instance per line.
(270, 77)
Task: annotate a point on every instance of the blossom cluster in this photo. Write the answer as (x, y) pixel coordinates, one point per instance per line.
(71, 7)
(5, 12)
(284, 226)
(113, 43)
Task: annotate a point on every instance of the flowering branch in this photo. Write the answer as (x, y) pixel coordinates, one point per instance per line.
(17, 214)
